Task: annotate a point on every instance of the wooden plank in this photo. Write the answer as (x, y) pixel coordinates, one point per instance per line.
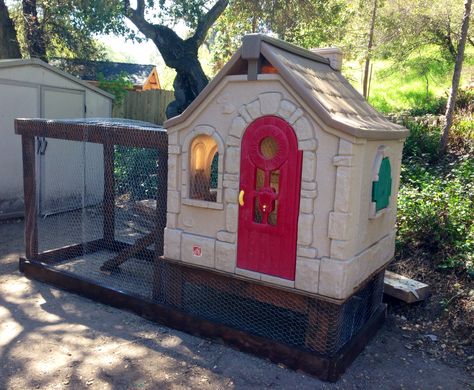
(149, 106)
(29, 188)
(405, 289)
(109, 193)
(124, 255)
(69, 252)
(161, 201)
(146, 208)
(117, 246)
(133, 137)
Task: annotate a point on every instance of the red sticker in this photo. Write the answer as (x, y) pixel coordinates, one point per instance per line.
(197, 251)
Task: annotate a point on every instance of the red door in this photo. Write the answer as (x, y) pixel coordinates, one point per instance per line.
(270, 177)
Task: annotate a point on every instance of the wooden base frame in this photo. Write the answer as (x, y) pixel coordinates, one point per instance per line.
(327, 369)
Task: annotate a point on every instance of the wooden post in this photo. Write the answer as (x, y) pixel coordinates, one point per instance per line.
(161, 201)
(109, 195)
(29, 188)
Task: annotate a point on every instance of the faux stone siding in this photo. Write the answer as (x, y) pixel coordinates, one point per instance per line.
(341, 221)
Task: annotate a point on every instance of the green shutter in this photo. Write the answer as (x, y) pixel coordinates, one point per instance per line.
(382, 189)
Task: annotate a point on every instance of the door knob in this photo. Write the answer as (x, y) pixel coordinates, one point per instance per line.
(241, 197)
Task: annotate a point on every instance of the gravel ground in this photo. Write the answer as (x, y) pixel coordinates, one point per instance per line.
(51, 339)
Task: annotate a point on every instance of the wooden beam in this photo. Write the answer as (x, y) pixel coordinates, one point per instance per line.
(29, 188)
(139, 245)
(405, 289)
(117, 134)
(109, 193)
(161, 201)
(58, 255)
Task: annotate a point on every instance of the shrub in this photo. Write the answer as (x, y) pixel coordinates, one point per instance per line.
(136, 172)
(422, 145)
(436, 203)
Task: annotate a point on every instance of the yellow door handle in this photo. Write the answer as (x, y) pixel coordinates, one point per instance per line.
(241, 197)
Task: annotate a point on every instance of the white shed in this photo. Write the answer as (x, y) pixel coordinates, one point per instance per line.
(33, 89)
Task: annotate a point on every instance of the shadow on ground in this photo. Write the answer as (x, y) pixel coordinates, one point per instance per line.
(50, 339)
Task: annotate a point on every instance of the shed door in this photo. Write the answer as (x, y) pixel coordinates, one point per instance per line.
(270, 178)
(61, 162)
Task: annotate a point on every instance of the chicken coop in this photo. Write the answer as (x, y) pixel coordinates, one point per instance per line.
(263, 216)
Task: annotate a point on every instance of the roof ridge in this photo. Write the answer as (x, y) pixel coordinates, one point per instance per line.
(100, 61)
(251, 48)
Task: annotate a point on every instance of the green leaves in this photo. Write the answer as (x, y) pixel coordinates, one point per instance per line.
(117, 86)
(436, 206)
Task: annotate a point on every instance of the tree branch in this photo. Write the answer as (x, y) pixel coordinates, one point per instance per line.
(207, 21)
(156, 32)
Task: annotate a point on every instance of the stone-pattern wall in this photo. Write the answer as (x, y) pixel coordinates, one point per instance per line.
(220, 252)
(334, 271)
(340, 229)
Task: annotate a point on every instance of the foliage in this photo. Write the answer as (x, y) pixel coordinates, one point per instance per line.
(117, 86)
(136, 172)
(66, 28)
(436, 203)
(308, 24)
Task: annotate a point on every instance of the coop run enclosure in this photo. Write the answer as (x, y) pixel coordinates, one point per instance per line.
(101, 235)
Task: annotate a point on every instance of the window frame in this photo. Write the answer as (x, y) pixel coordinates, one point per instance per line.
(186, 163)
(381, 154)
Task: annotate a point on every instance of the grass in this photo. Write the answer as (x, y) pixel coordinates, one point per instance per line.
(419, 84)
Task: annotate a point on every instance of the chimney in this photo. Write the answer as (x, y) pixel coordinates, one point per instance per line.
(333, 54)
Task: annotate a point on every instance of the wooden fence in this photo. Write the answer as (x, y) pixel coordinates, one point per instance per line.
(149, 106)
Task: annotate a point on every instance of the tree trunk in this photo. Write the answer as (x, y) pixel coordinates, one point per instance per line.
(456, 76)
(9, 47)
(182, 55)
(34, 33)
(369, 51)
(179, 54)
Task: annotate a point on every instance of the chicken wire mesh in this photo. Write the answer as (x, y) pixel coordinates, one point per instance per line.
(107, 201)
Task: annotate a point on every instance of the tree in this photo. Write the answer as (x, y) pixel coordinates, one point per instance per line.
(35, 37)
(58, 28)
(178, 53)
(407, 26)
(370, 44)
(456, 75)
(9, 47)
(306, 23)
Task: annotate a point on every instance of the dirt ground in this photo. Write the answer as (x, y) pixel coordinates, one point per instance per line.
(51, 339)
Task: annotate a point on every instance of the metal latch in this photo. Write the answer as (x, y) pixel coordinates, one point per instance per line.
(42, 145)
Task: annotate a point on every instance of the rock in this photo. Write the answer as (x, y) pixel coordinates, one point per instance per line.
(432, 337)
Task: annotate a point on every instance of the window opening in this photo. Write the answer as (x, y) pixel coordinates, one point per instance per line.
(204, 161)
(269, 147)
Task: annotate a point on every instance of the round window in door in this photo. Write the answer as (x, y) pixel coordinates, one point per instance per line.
(270, 178)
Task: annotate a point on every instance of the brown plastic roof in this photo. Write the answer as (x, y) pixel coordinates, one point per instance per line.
(322, 88)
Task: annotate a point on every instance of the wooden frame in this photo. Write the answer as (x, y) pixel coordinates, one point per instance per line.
(109, 134)
(325, 368)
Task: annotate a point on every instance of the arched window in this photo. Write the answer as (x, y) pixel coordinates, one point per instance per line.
(203, 163)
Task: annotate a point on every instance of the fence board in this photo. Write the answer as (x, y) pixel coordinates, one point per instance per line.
(149, 106)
